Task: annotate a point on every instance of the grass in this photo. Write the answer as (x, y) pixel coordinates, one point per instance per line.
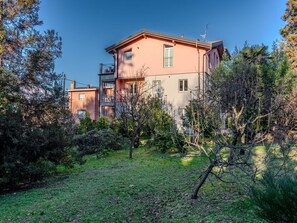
(152, 187)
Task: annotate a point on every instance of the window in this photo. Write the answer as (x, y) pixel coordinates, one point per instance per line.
(133, 88)
(81, 97)
(128, 54)
(105, 111)
(108, 84)
(81, 114)
(157, 86)
(168, 56)
(108, 111)
(183, 85)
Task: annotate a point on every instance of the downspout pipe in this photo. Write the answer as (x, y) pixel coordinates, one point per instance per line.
(198, 77)
(203, 69)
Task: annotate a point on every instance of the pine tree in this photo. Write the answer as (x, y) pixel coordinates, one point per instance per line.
(33, 119)
(289, 32)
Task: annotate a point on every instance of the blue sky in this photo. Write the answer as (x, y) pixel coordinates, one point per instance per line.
(87, 27)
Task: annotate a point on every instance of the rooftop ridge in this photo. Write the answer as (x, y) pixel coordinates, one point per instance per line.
(136, 35)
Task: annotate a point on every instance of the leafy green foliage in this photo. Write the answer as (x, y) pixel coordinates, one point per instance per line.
(249, 98)
(166, 140)
(86, 124)
(116, 127)
(160, 120)
(103, 123)
(134, 112)
(98, 141)
(162, 128)
(289, 32)
(242, 92)
(276, 198)
(35, 127)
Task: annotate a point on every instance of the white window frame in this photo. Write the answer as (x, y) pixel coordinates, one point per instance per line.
(183, 87)
(168, 56)
(81, 96)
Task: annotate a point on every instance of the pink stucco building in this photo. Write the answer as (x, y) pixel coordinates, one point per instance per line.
(83, 101)
(176, 64)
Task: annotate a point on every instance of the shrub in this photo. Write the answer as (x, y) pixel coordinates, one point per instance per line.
(276, 198)
(31, 154)
(103, 123)
(168, 139)
(115, 125)
(86, 124)
(95, 142)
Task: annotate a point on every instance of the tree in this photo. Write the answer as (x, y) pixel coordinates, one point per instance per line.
(134, 109)
(244, 105)
(35, 127)
(134, 113)
(290, 30)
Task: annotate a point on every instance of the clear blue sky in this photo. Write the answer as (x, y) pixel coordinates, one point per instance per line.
(87, 27)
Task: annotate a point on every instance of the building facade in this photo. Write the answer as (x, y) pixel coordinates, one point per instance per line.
(177, 65)
(83, 102)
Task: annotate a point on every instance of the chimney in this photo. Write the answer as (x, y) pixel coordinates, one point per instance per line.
(72, 84)
(182, 36)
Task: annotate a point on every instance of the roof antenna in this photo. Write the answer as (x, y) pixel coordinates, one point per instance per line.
(204, 35)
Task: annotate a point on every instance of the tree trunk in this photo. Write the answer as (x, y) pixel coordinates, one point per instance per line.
(131, 147)
(231, 158)
(202, 181)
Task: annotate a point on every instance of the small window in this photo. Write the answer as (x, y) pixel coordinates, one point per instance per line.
(105, 111)
(128, 54)
(168, 56)
(133, 88)
(81, 114)
(108, 111)
(81, 97)
(183, 85)
(157, 86)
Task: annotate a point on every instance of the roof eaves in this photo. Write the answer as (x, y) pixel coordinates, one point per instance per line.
(207, 45)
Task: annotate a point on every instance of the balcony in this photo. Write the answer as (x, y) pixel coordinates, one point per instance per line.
(108, 99)
(106, 69)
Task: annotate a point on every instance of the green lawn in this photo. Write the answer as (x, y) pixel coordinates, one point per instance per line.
(152, 187)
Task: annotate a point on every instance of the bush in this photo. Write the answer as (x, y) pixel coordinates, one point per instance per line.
(103, 123)
(31, 154)
(165, 140)
(276, 198)
(96, 142)
(85, 125)
(115, 126)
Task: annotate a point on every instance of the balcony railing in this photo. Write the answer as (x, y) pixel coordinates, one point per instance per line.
(106, 69)
(108, 98)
